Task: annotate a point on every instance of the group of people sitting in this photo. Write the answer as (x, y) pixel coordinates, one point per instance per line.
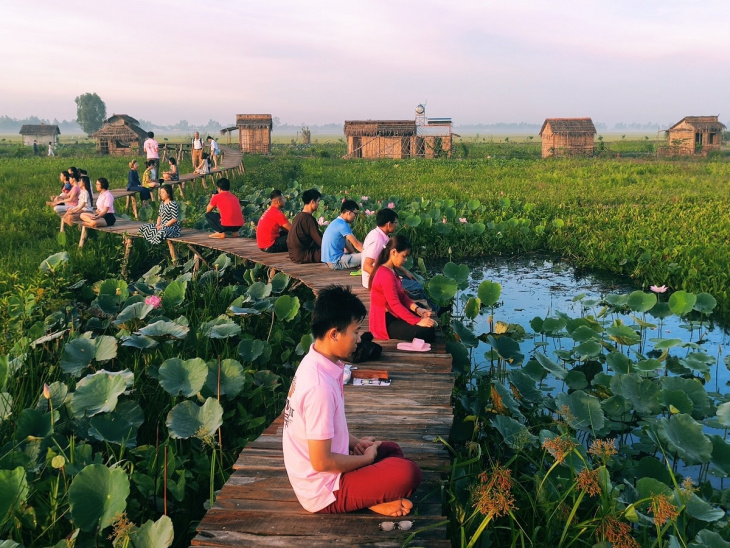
(76, 199)
(150, 179)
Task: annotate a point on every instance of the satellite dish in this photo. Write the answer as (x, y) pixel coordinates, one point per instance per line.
(420, 109)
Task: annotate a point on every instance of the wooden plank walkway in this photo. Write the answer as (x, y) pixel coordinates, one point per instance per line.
(257, 506)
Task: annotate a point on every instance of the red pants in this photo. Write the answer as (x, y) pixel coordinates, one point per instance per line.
(390, 477)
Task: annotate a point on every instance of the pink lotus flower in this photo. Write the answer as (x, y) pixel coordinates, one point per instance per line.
(391, 205)
(659, 288)
(364, 198)
(462, 219)
(46, 391)
(154, 301)
(322, 222)
(369, 213)
(444, 220)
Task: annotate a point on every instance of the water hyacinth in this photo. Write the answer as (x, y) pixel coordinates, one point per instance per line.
(154, 301)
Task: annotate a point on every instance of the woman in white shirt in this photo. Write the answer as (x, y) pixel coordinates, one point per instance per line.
(104, 215)
(85, 203)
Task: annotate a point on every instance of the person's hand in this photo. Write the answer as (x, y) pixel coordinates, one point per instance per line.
(362, 445)
(372, 451)
(426, 322)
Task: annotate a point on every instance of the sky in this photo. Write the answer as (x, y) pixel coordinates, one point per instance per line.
(325, 61)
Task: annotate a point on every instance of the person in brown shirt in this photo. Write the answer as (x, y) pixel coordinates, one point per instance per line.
(305, 240)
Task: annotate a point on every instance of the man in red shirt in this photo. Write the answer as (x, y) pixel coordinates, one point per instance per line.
(273, 226)
(230, 217)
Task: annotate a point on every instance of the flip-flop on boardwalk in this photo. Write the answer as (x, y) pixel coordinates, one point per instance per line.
(257, 506)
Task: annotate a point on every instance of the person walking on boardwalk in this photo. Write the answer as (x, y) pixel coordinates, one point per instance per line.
(168, 219)
(215, 152)
(197, 150)
(304, 240)
(151, 147)
(273, 227)
(229, 217)
(50, 149)
(340, 248)
(330, 470)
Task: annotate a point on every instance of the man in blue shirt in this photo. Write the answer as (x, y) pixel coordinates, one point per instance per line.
(340, 249)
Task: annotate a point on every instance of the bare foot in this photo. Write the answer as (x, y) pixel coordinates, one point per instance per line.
(400, 507)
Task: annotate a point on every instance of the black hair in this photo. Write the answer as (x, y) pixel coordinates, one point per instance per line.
(276, 193)
(311, 194)
(337, 307)
(385, 216)
(150, 163)
(205, 155)
(74, 171)
(150, 134)
(172, 160)
(349, 205)
(209, 137)
(104, 183)
(223, 184)
(168, 189)
(87, 184)
(397, 242)
(64, 174)
(82, 172)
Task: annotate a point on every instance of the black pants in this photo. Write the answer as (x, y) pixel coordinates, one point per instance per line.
(279, 245)
(403, 331)
(144, 193)
(214, 222)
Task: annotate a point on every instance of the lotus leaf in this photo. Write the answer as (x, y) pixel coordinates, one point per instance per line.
(153, 534)
(174, 294)
(459, 355)
(516, 435)
(12, 543)
(304, 343)
(665, 344)
(32, 422)
(720, 454)
(250, 349)
(135, 311)
(97, 494)
(471, 310)
(489, 292)
(239, 311)
(550, 366)
(163, 328)
(694, 390)
(444, 228)
(77, 355)
(117, 289)
(617, 301)
(508, 400)
(677, 399)
(475, 229)
(681, 303)
(119, 426)
(457, 272)
(97, 393)
(619, 363)
(187, 419)
(623, 334)
(639, 301)
(232, 378)
(58, 392)
(508, 348)
(52, 263)
(187, 377)
(701, 510)
(442, 289)
(140, 342)
(6, 406)
(683, 435)
(412, 221)
(266, 379)
(648, 366)
(286, 307)
(279, 282)
(525, 385)
(649, 487)
(588, 349)
(475, 204)
(576, 380)
(220, 328)
(222, 262)
(553, 326)
(697, 361)
(13, 491)
(464, 334)
(643, 394)
(582, 333)
(584, 412)
(259, 290)
(106, 348)
(705, 303)
(709, 539)
(617, 408)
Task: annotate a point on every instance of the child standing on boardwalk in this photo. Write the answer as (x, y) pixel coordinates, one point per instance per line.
(331, 470)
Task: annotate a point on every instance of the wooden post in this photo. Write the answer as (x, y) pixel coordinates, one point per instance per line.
(127, 251)
(62, 225)
(198, 256)
(133, 199)
(84, 235)
(173, 255)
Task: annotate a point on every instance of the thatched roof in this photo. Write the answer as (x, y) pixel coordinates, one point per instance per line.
(382, 128)
(254, 121)
(116, 117)
(120, 130)
(39, 129)
(703, 123)
(569, 125)
(228, 129)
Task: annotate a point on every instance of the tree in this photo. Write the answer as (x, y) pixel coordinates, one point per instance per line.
(90, 112)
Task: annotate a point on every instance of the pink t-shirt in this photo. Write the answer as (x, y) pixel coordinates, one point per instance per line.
(374, 243)
(105, 199)
(73, 196)
(150, 147)
(315, 410)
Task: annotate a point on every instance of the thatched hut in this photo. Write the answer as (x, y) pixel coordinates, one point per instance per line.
(254, 133)
(567, 137)
(41, 133)
(695, 135)
(398, 138)
(119, 136)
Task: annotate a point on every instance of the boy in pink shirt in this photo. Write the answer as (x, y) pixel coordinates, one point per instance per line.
(330, 470)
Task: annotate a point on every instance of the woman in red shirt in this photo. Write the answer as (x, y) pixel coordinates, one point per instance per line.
(392, 314)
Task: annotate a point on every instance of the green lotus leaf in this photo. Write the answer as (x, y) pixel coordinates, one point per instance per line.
(187, 419)
(58, 391)
(639, 301)
(32, 422)
(187, 377)
(618, 362)
(665, 344)
(576, 380)
(250, 349)
(550, 366)
(117, 289)
(97, 494)
(99, 393)
(13, 491)
(153, 534)
(683, 435)
(471, 310)
(135, 311)
(442, 289)
(617, 408)
(701, 510)
(12, 543)
(140, 342)
(464, 334)
(222, 262)
(681, 303)
(77, 355)
(106, 348)
(697, 361)
(585, 412)
(508, 400)
(661, 310)
(475, 204)
(507, 348)
(266, 379)
(582, 333)
(174, 294)
(459, 354)
(677, 399)
(694, 390)
(709, 539)
(232, 378)
(475, 229)
(412, 221)
(259, 290)
(163, 328)
(553, 326)
(286, 307)
(304, 343)
(649, 487)
(489, 292)
(588, 349)
(623, 335)
(458, 272)
(516, 435)
(220, 328)
(720, 454)
(617, 300)
(525, 385)
(279, 282)
(239, 311)
(119, 426)
(6, 406)
(723, 414)
(643, 394)
(648, 366)
(52, 263)
(705, 303)
(444, 228)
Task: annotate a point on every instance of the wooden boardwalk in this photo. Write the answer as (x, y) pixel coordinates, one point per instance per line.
(257, 506)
